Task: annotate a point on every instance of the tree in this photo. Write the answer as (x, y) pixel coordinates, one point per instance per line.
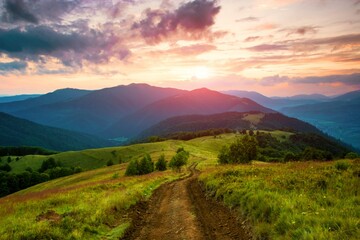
(48, 164)
(224, 155)
(243, 150)
(179, 160)
(160, 165)
(6, 168)
(9, 159)
(132, 168)
(109, 163)
(351, 155)
(146, 165)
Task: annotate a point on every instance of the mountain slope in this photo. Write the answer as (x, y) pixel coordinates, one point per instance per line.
(14, 98)
(20, 132)
(339, 118)
(95, 110)
(231, 120)
(276, 103)
(200, 101)
(61, 95)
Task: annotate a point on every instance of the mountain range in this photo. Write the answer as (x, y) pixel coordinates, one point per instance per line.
(231, 120)
(126, 111)
(20, 132)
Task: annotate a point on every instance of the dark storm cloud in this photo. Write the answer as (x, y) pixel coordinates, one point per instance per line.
(18, 11)
(192, 17)
(71, 48)
(15, 66)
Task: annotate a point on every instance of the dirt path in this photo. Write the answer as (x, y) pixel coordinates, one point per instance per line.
(180, 210)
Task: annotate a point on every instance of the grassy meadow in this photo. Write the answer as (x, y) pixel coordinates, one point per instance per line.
(301, 200)
(88, 205)
(295, 200)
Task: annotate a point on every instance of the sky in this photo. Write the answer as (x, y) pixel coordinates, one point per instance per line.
(275, 47)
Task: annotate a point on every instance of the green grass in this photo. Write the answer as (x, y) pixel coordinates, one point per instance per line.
(89, 205)
(309, 200)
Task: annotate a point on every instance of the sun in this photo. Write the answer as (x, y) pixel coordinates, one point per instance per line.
(202, 72)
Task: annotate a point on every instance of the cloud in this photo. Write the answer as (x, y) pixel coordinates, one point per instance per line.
(265, 26)
(192, 50)
(191, 19)
(72, 47)
(17, 11)
(273, 80)
(268, 47)
(248, 19)
(300, 30)
(353, 79)
(252, 38)
(16, 66)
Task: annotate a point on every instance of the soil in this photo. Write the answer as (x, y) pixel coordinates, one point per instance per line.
(181, 210)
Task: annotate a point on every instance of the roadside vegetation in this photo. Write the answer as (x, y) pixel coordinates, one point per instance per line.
(87, 205)
(283, 194)
(302, 200)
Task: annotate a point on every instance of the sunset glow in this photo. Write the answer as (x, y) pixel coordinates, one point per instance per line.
(277, 48)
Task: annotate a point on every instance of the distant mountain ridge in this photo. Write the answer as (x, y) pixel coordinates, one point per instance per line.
(199, 101)
(87, 111)
(338, 117)
(6, 99)
(278, 102)
(127, 110)
(231, 120)
(20, 132)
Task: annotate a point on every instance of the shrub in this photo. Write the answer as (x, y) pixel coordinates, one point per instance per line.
(224, 155)
(241, 151)
(342, 166)
(146, 165)
(160, 165)
(6, 167)
(49, 164)
(351, 155)
(109, 163)
(179, 160)
(132, 168)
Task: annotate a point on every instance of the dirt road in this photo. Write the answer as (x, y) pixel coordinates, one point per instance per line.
(180, 210)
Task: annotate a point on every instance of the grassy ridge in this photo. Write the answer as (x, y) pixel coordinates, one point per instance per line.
(309, 200)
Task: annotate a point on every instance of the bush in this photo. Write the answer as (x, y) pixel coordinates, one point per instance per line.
(160, 165)
(135, 167)
(132, 168)
(146, 165)
(351, 155)
(241, 151)
(342, 166)
(109, 163)
(179, 160)
(6, 167)
(49, 164)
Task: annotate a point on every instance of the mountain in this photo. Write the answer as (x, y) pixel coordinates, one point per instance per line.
(61, 95)
(338, 117)
(91, 111)
(315, 97)
(276, 102)
(6, 99)
(20, 132)
(199, 101)
(231, 120)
